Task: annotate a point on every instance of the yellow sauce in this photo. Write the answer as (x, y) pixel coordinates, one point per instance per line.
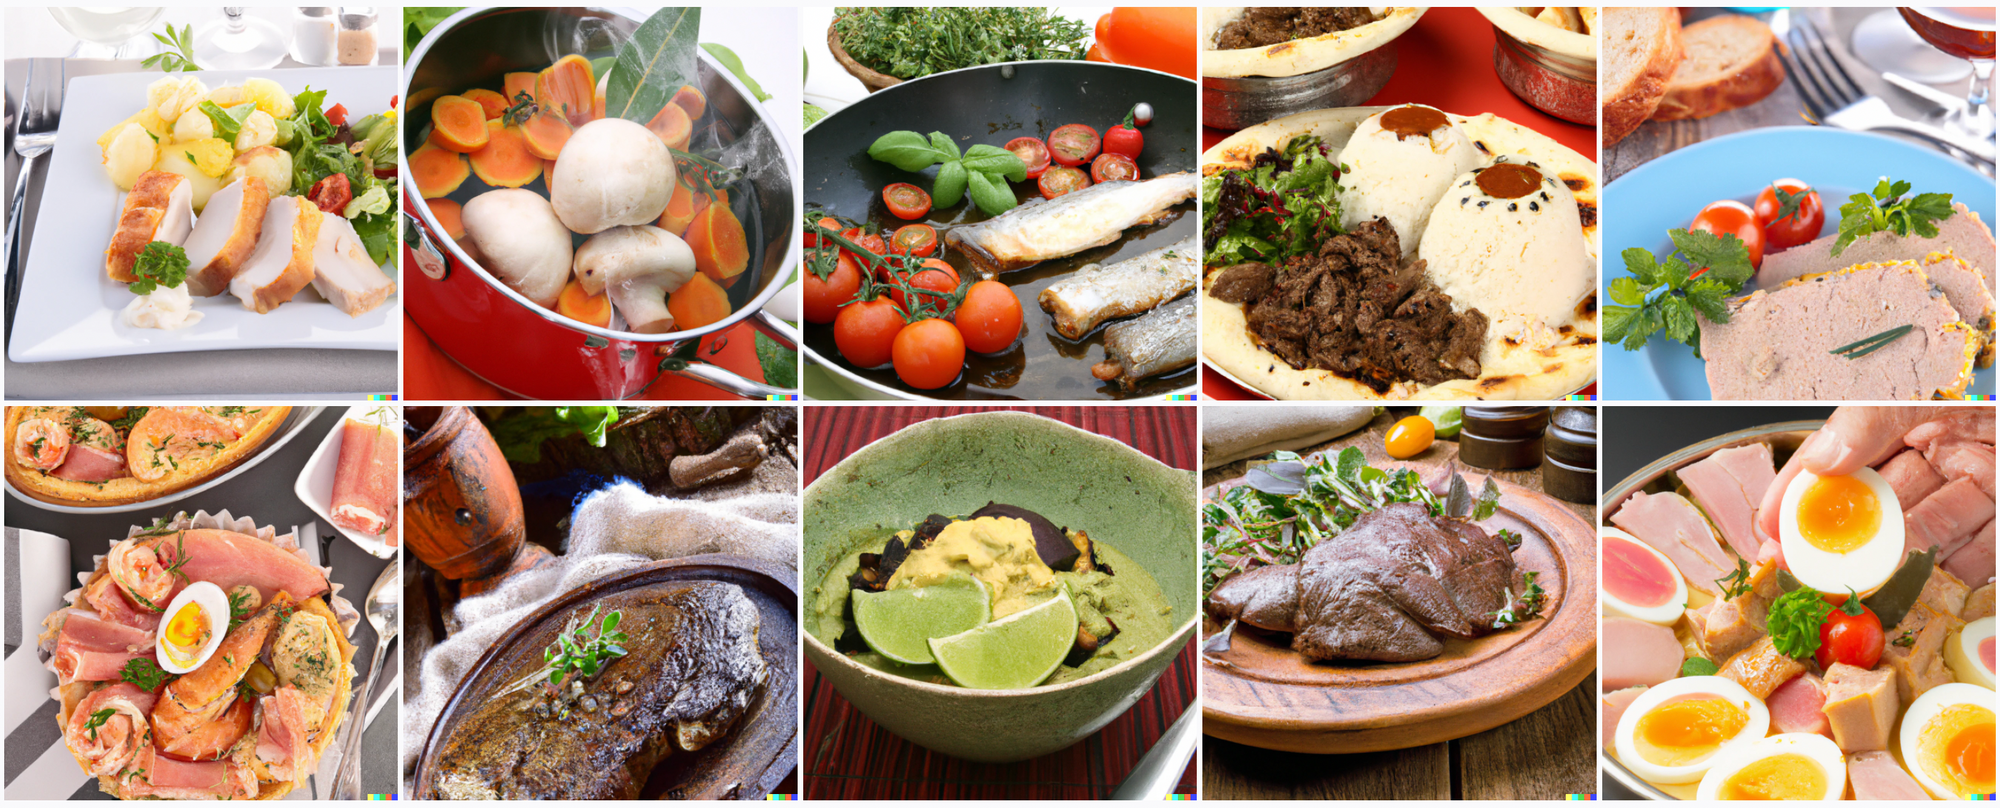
(999, 551)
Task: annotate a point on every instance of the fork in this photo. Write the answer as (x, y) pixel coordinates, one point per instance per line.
(1834, 98)
(34, 136)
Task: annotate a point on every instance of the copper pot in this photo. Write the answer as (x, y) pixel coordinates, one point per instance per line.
(461, 507)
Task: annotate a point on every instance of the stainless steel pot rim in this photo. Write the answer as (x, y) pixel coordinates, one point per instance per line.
(771, 289)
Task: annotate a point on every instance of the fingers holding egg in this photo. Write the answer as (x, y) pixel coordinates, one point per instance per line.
(1841, 532)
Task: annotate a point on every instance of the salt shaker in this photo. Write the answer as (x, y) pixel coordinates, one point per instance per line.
(357, 44)
(313, 36)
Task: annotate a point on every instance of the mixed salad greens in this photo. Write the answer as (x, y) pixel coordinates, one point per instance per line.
(1284, 204)
(324, 145)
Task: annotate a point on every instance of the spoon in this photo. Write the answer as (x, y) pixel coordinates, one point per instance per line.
(385, 607)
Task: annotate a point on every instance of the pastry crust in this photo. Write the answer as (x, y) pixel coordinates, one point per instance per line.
(126, 490)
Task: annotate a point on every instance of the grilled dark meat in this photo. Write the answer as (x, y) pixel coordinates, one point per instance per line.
(691, 672)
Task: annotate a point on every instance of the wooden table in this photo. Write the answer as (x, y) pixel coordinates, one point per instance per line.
(1549, 753)
(850, 757)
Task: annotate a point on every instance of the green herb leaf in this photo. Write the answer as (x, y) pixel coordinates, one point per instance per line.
(419, 20)
(945, 146)
(1886, 211)
(653, 65)
(1698, 666)
(780, 364)
(160, 264)
(1794, 621)
(227, 122)
(908, 151)
(985, 159)
(950, 186)
(912, 41)
(729, 60)
(1735, 584)
(992, 196)
(1627, 291)
(1725, 257)
(145, 673)
(520, 434)
(179, 54)
(1489, 501)
(1869, 345)
(97, 719)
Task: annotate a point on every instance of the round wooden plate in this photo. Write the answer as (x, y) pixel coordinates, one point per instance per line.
(1262, 693)
(747, 764)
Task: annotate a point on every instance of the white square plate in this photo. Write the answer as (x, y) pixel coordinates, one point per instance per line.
(70, 310)
(315, 485)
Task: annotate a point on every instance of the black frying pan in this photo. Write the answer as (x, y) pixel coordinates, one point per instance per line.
(994, 104)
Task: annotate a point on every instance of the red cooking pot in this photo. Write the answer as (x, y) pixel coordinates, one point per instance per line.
(506, 339)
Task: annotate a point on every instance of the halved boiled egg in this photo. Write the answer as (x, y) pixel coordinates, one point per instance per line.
(1677, 729)
(1842, 532)
(1947, 737)
(1640, 582)
(1791, 766)
(194, 624)
(1970, 653)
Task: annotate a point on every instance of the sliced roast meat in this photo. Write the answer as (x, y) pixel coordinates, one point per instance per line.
(89, 464)
(1911, 477)
(1638, 653)
(1261, 26)
(1948, 518)
(1243, 283)
(1266, 597)
(1973, 563)
(1963, 234)
(1672, 525)
(1728, 485)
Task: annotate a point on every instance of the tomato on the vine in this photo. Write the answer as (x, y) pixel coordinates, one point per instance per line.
(865, 331)
(929, 354)
(1073, 144)
(906, 201)
(812, 236)
(860, 237)
(936, 276)
(1033, 153)
(824, 298)
(1733, 218)
(1798, 226)
(990, 317)
(919, 240)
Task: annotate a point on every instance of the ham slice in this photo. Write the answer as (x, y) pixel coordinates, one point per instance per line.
(282, 263)
(1861, 706)
(343, 273)
(229, 560)
(1972, 460)
(107, 745)
(282, 752)
(1948, 518)
(228, 230)
(90, 649)
(1638, 653)
(1877, 776)
(160, 207)
(366, 484)
(1672, 525)
(1728, 485)
(112, 604)
(1974, 561)
(1611, 709)
(1760, 668)
(1911, 477)
(89, 464)
(172, 779)
(1796, 706)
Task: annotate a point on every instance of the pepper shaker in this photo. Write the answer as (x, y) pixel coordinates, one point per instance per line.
(1502, 437)
(357, 35)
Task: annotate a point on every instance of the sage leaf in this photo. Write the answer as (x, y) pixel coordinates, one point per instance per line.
(653, 65)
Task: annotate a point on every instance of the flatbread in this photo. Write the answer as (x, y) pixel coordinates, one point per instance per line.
(1298, 56)
(1540, 34)
(1508, 371)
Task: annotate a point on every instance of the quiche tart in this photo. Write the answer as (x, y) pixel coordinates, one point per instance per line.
(104, 456)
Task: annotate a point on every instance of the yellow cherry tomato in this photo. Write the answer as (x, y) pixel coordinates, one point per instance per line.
(1410, 437)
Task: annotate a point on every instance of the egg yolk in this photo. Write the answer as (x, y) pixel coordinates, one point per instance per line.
(1689, 730)
(1787, 776)
(1957, 748)
(189, 628)
(1839, 514)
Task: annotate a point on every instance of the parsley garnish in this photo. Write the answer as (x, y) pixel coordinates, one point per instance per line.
(1699, 275)
(97, 719)
(145, 673)
(1735, 584)
(1527, 607)
(1794, 622)
(130, 419)
(1509, 538)
(160, 264)
(1887, 211)
(580, 652)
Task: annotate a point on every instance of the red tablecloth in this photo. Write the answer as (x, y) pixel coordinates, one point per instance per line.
(1444, 61)
(430, 375)
(849, 757)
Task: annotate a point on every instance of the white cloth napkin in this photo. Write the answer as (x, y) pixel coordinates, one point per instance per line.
(1229, 434)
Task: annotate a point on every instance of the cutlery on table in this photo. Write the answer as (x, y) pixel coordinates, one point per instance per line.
(384, 608)
(1836, 99)
(1160, 769)
(34, 136)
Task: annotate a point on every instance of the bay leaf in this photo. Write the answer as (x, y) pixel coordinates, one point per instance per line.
(652, 66)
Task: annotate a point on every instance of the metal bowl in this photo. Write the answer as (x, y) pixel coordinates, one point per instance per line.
(1236, 103)
(1556, 83)
(1658, 476)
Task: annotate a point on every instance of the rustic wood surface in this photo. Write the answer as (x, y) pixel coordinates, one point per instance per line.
(1545, 755)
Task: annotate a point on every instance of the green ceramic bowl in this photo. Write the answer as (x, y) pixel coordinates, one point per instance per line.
(955, 465)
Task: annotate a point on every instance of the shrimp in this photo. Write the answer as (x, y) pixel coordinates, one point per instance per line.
(87, 431)
(41, 443)
(135, 565)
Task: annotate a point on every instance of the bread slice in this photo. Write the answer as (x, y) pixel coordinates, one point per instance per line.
(1730, 62)
(1641, 51)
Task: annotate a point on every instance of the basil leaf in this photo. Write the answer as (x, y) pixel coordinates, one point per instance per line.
(987, 159)
(906, 150)
(992, 196)
(950, 186)
(945, 146)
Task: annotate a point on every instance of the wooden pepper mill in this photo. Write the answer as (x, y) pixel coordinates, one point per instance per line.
(461, 506)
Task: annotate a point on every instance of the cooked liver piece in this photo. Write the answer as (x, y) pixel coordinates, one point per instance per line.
(1393, 580)
(1778, 344)
(1269, 26)
(1861, 706)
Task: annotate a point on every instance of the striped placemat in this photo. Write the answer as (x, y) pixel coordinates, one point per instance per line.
(849, 757)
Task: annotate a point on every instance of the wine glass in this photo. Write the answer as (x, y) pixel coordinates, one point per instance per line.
(1886, 43)
(1965, 33)
(239, 42)
(108, 32)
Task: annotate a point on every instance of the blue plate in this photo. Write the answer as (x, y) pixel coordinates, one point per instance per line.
(1666, 193)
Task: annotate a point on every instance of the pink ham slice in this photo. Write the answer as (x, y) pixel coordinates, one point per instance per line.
(366, 486)
(1638, 653)
(1672, 525)
(115, 741)
(90, 649)
(1911, 477)
(1947, 518)
(229, 560)
(1797, 706)
(89, 464)
(1728, 485)
(172, 779)
(283, 753)
(1954, 459)
(1612, 710)
(1973, 563)
(1877, 776)
(112, 604)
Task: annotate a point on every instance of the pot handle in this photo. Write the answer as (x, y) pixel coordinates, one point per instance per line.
(715, 376)
(776, 329)
(429, 259)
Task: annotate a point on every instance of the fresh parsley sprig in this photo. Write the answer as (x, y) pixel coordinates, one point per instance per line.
(1666, 292)
(97, 719)
(145, 673)
(160, 264)
(1888, 212)
(1794, 622)
(1522, 609)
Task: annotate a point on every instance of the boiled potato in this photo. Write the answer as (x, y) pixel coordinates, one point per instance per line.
(193, 125)
(227, 97)
(212, 155)
(176, 161)
(268, 163)
(270, 97)
(145, 118)
(173, 95)
(257, 130)
(129, 154)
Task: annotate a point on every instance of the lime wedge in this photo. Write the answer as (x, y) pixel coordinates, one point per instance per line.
(897, 623)
(1016, 651)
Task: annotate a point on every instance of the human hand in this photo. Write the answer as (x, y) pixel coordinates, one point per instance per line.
(1853, 438)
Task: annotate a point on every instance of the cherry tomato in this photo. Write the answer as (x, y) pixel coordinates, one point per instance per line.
(990, 317)
(907, 201)
(1733, 218)
(1800, 226)
(825, 298)
(812, 237)
(332, 193)
(1073, 144)
(1855, 639)
(1108, 167)
(1059, 180)
(1125, 138)
(919, 240)
(866, 331)
(338, 115)
(936, 276)
(865, 240)
(1033, 152)
(1410, 437)
(929, 354)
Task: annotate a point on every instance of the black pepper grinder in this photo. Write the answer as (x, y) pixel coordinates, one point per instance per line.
(1502, 437)
(1569, 462)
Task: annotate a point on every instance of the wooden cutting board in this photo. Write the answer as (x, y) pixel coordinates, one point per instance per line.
(1262, 693)
(747, 764)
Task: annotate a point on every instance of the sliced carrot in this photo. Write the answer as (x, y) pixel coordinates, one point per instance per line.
(495, 103)
(697, 303)
(691, 101)
(438, 172)
(546, 132)
(450, 217)
(517, 83)
(720, 249)
(681, 209)
(603, 86)
(673, 127)
(421, 97)
(460, 123)
(505, 162)
(568, 87)
(582, 306)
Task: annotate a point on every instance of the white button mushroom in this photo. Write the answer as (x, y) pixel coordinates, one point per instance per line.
(611, 172)
(523, 242)
(637, 267)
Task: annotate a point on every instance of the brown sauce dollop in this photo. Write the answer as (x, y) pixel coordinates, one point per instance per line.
(1509, 180)
(1411, 119)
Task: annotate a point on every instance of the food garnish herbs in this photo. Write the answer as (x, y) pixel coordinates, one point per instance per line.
(583, 653)
(1698, 666)
(1794, 622)
(160, 264)
(983, 170)
(179, 53)
(1665, 292)
(97, 719)
(1863, 347)
(908, 42)
(1283, 204)
(1888, 212)
(145, 673)
(1509, 538)
(1735, 584)
(1527, 607)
